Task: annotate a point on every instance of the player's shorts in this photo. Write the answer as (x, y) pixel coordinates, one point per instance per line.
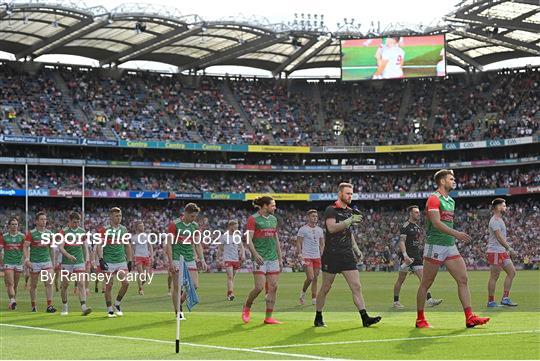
(116, 267)
(438, 254)
(312, 262)
(13, 267)
(234, 264)
(337, 263)
(37, 267)
(267, 268)
(498, 258)
(143, 261)
(416, 265)
(74, 268)
(191, 265)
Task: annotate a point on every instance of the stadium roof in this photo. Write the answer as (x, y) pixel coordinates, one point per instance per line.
(479, 32)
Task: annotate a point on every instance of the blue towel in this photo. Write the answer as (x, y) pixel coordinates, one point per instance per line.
(187, 286)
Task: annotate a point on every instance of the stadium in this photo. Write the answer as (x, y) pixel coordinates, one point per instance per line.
(162, 122)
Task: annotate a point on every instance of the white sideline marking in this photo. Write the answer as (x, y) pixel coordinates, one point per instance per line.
(394, 339)
(170, 342)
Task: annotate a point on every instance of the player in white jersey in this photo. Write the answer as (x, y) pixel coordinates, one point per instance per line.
(231, 253)
(498, 255)
(143, 254)
(392, 57)
(309, 247)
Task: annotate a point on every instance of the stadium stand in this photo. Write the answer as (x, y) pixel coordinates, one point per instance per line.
(145, 106)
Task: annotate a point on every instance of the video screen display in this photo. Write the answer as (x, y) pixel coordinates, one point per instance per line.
(393, 57)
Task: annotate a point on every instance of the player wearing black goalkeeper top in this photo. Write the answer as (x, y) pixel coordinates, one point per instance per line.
(411, 255)
(338, 255)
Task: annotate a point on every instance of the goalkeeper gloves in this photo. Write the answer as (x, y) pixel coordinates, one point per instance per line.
(354, 219)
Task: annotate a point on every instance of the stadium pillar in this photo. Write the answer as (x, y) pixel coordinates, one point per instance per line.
(26, 197)
(83, 193)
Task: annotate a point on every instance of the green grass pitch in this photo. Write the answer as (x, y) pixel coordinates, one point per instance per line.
(214, 329)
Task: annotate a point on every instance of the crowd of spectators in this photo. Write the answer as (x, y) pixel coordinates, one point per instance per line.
(185, 181)
(376, 236)
(145, 106)
(39, 107)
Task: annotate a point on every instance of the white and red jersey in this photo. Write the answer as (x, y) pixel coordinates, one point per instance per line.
(496, 223)
(395, 56)
(230, 247)
(311, 241)
(140, 245)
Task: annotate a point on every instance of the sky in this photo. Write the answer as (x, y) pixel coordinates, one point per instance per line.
(283, 11)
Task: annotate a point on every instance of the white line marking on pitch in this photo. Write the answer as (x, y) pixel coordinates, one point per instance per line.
(393, 339)
(171, 342)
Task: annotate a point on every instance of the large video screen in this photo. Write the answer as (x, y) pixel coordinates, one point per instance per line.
(393, 57)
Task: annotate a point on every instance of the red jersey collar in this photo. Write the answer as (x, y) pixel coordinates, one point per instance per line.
(336, 205)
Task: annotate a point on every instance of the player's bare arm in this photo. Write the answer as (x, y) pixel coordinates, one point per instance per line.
(382, 65)
(200, 254)
(403, 249)
(62, 249)
(168, 252)
(435, 218)
(26, 255)
(504, 243)
(299, 241)
(278, 249)
(335, 227)
(252, 249)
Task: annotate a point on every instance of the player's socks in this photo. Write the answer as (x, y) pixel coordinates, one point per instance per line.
(117, 309)
(314, 301)
(301, 298)
(268, 318)
(421, 320)
(34, 308)
(428, 295)
(491, 298)
(506, 294)
(468, 312)
(49, 303)
(318, 319)
(110, 312)
(246, 311)
(396, 298)
(368, 321)
(64, 309)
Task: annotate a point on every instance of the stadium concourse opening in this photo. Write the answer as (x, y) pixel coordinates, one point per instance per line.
(239, 198)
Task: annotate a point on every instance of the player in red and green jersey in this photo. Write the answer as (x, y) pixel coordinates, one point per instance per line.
(263, 244)
(75, 257)
(183, 240)
(114, 257)
(39, 258)
(12, 244)
(440, 248)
